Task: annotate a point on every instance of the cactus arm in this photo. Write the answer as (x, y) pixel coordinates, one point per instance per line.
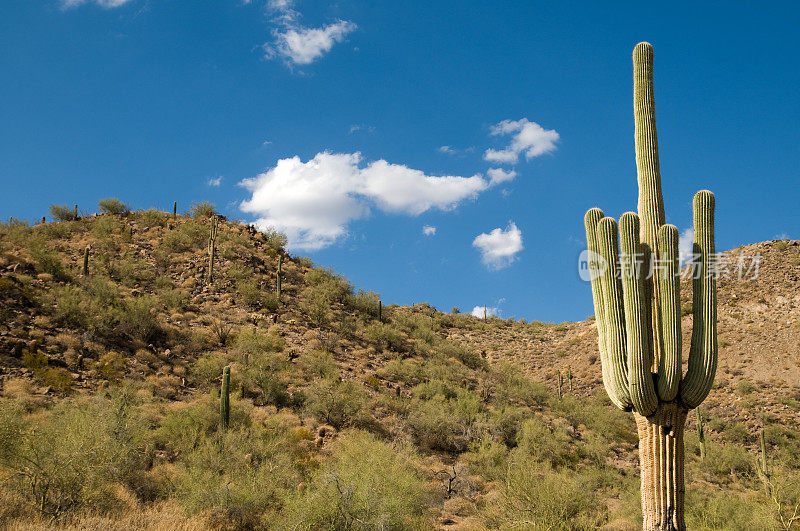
(613, 358)
(669, 367)
(703, 352)
(648, 171)
(593, 216)
(637, 316)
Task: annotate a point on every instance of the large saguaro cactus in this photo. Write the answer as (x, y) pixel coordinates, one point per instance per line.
(636, 292)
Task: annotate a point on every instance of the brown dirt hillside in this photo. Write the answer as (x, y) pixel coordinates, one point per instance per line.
(758, 334)
(459, 416)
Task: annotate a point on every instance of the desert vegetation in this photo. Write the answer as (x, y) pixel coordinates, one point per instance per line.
(340, 415)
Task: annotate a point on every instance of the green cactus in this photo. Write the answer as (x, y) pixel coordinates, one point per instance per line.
(86, 261)
(174, 209)
(380, 311)
(212, 247)
(280, 275)
(559, 382)
(639, 315)
(701, 434)
(76, 211)
(225, 399)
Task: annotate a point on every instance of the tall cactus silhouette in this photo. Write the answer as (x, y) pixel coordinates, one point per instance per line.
(212, 247)
(225, 398)
(636, 292)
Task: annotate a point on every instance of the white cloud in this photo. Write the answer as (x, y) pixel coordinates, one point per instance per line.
(214, 181)
(499, 175)
(447, 149)
(101, 3)
(685, 246)
(313, 202)
(301, 46)
(480, 311)
(528, 137)
(427, 230)
(361, 127)
(500, 247)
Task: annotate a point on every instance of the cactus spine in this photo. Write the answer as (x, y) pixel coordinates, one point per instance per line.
(225, 399)
(212, 247)
(86, 261)
(701, 434)
(639, 318)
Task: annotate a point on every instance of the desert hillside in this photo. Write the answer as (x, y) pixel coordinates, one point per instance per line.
(347, 412)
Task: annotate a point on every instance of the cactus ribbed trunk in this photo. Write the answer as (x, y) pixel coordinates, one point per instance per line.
(225, 399)
(661, 461)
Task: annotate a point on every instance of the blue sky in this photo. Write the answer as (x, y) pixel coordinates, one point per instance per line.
(355, 125)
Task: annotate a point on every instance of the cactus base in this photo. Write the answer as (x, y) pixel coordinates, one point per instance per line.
(661, 456)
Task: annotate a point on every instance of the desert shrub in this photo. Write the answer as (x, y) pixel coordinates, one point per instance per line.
(174, 299)
(251, 341)
(745, 387)
(103, 227)
(207, 368)
(548, 444)
(512, 386)
(780, 245)
(543, 498)
(202, 210)
(138, 318)
(266, 374)
(58, 231)
(63, 213)
(131, 271)
(275, 239)
(316, 305)
(597, 414)
(365, 303)
(110, 366)
(385, 336)
(249, 293)
(73, 456)
(47, 259)
(319, 364)
(408, 371)
(442, 423)
(152, 218)
(112, 205)
(462, 353)
(710, 508)
(338, 403)
(329, 283)
(366, 484)
(728, 461)
(186, 236)
(487, 458)
(735, 432)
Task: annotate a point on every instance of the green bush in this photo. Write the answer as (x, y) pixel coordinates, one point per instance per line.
(112, 205)
(335, 402)
(316, 305)
(104, 227)
(152, 218)
(138, 318)
(366, 484)
(62, 213)
(448, 424)
(330, 284)
(543, 498)
(202, 210)
(249, 293)
(385, 336)
(73, 456)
